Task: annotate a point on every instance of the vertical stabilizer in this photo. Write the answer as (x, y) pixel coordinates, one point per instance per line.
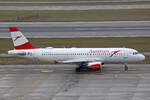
(19, 40)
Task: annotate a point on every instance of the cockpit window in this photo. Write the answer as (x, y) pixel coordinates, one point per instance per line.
(134, 53)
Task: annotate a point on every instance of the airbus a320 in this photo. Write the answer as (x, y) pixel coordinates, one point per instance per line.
(85, 58)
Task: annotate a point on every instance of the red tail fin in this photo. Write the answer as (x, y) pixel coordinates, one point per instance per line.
(19, 40)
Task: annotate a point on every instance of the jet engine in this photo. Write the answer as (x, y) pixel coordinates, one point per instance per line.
(94, 65)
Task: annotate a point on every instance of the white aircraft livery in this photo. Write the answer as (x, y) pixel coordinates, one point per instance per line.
(86, 58)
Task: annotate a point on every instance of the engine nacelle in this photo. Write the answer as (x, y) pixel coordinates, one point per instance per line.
(94, 65)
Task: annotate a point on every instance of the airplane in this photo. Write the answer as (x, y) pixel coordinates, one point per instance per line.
(87, 59)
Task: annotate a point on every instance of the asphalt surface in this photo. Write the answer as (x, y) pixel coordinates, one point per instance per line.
(84, 1)
(95, 7)
(79, 29)
(27, 82)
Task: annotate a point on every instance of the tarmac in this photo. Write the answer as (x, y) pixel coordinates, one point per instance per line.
(61, 82)
(78, 29)
(95, 7)
(84, 1)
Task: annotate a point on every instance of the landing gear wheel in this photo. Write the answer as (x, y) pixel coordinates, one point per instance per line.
(81, 67)
(125, 67)
(78, 69)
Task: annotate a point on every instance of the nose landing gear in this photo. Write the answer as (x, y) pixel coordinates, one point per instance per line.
(125, 67)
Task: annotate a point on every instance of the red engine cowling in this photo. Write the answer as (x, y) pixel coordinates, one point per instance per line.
(94, 65)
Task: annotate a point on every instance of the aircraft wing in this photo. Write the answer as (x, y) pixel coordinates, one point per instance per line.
(82, 60)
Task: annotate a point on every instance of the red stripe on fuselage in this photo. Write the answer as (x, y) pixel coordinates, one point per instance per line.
(27, 45)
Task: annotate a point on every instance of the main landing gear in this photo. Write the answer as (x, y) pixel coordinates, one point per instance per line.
(125, 67)
(82, 67)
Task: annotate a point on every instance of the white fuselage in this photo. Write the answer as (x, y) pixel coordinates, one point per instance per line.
(105, 55)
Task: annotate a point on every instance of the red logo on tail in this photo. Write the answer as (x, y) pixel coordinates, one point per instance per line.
(18, 37)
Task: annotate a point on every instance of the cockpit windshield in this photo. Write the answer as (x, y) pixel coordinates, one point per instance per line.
(134, 53)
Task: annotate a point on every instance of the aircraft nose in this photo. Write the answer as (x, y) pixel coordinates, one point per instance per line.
(142, 57)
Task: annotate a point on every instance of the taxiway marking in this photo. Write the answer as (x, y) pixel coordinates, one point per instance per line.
(29, 87)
